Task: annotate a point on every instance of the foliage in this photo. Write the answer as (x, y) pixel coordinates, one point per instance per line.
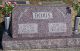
(76, 7)
(0, 2)
(6, 9)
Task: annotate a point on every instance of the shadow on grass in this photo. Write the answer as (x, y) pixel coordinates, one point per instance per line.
(1, 33)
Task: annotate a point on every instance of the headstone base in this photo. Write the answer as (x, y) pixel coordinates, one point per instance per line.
(41, 44)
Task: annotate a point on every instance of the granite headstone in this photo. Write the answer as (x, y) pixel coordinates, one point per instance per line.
(41, 21)
(40, 27)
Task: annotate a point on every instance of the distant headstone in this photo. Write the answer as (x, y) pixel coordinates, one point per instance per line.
(41, 21)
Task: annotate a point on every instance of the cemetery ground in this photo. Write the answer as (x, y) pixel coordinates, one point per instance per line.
(71, 43)
(55, 49)
(58, 49)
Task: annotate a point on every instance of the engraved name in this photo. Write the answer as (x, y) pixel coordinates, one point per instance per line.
(42, 15)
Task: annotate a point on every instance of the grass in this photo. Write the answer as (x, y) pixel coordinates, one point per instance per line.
(54, 49)
(73, 14)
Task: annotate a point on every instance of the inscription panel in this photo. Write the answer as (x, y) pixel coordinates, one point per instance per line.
(28, 28)
(42, 15)
(57, 27)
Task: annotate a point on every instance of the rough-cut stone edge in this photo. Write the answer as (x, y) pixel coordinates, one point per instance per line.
(44, 44)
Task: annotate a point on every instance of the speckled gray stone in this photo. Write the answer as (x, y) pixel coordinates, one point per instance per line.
(42, 43)
(26, 15)
(35, 44)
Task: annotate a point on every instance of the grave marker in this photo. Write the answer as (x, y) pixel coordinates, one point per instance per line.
(41, 21)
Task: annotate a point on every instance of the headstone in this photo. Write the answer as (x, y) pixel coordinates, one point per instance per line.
(41, 21)
(39, 27)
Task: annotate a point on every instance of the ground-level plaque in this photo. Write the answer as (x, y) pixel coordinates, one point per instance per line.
(41, 21)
